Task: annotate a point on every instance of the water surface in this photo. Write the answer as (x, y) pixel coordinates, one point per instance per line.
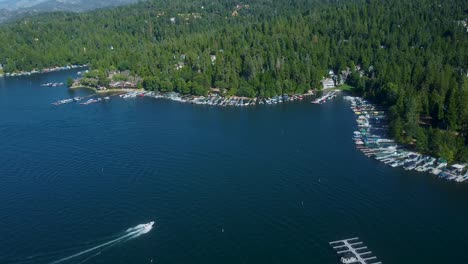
(280, 181)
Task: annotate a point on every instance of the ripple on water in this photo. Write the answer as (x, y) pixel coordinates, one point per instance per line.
(280, 181)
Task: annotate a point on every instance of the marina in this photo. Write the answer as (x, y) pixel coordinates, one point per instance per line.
(325, 98)
(80, 99)
(217, 100)
(322, 188)
(353, 251)
(50, 84)
(372, 140)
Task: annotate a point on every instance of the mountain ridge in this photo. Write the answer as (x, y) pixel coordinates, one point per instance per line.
(11, 9)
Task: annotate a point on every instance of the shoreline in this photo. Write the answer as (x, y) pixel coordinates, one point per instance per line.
(45, 70)
(212, 99)
(218, 100)
(74, 87)
(103, 91)
(112, 90)
(372, 140)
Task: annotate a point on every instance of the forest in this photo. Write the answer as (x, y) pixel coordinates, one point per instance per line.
(407, 55)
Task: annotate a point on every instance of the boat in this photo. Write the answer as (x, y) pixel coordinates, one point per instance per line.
(90, 101)
(148, 225)
(348, 258)
(397, 164)
(64, 101)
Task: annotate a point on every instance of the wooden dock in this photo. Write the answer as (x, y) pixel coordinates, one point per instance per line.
(356, 248)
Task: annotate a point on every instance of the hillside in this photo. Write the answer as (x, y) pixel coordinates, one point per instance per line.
(11, 9)
(409, 56)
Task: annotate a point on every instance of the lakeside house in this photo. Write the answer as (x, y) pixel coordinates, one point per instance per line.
(108, 80)
(122, 85)
(335, 80)
(328, 83)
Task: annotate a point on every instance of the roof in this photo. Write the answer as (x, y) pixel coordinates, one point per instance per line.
(458, 166)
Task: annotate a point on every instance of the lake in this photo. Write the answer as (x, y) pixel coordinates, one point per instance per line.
(263, 184)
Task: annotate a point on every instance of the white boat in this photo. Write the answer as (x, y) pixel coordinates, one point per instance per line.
(349, 259)
(148, 225)
(145, 228)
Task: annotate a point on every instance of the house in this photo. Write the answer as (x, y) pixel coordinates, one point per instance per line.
(328, 83)
(127, 85)
(213, 58)
(115, 84)
(173, 20)
(179, 65)
(345, 73)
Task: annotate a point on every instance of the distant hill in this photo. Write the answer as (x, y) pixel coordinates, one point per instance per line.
(10, 9)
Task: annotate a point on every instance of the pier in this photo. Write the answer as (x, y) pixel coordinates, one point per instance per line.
(352, 250)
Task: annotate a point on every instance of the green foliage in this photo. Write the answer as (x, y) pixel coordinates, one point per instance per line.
(151, 83)
(412, 54)
(346, 87)
(120, 78)
(69, 81)
(197, 89)
(91, 82)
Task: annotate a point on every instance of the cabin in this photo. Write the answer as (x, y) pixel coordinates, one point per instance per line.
(328, 83)
(115, 84)
(130, 85)
(179, 66)
(213, 58)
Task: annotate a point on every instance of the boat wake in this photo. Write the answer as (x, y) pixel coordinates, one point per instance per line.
(87, 254)
(131, 233)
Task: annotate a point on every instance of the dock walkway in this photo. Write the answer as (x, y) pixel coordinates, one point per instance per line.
(357, 248)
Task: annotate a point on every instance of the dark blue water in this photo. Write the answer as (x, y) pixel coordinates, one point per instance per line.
(281, 181)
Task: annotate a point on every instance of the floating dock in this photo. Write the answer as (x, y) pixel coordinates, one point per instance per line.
(353, 246)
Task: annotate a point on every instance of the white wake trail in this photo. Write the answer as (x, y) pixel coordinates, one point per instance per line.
(131, 234)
